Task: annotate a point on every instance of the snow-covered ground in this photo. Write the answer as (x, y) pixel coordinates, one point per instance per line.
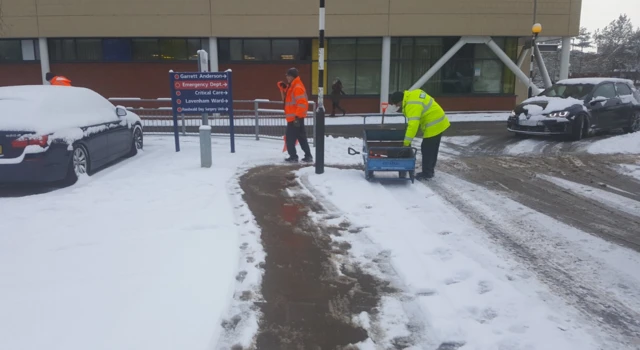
(626, 144)
(471, 293)
(155, 253)
(142, 255)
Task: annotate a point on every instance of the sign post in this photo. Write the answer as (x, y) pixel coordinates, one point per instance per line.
(202, 93)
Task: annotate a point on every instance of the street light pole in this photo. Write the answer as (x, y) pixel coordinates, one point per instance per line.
(535, 30)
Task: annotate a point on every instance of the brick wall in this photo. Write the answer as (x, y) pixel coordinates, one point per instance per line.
(250, 81)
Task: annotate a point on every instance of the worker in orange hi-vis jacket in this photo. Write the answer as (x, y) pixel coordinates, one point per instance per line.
(295, 111)
(57, 80)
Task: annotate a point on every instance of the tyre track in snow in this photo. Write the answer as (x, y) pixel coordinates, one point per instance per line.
(516, 176)
(552, 262)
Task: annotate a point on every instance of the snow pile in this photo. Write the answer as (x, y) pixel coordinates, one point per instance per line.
(460, 300)
(592, 81)
(631, 170)
(47, 109)
(554, 104)
(627, 144)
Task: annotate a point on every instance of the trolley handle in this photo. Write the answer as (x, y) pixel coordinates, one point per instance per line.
(352, 151)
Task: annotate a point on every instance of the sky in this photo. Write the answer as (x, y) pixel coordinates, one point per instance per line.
(596, 14)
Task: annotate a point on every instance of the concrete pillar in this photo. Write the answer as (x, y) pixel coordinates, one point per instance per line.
(385, 70)
(213, 54)
(564, 58)
(44, 59)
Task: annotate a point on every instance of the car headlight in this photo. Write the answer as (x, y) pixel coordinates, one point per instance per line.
(558, 114)
(513, 114)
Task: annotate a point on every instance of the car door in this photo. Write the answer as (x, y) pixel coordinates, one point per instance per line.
(95, 138)
(625, 94)
(604, 105)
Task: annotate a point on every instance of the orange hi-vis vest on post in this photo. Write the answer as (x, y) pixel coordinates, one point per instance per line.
(295, 102)
(60, 81)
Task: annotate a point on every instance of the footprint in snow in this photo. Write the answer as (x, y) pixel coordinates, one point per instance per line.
(426, 292)
(484, 287)
(459, 277)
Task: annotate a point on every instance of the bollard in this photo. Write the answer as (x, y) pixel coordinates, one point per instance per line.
(205, 146)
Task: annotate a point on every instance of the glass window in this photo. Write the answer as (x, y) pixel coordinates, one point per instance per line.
(368, 78)
(256, 49)
(346, 71)
(487, 76)
(68, 50)
(145, 49)
(605, 90)
(285, 49)
(342, 49)
(369, 49)
(193, 45)
(55, 49)
(235, 49)
(116, 50)
(10, 50)
(89, 49)
(173, 49)
(306, 52)
(623, 89)
(457, 76)
(28, 50)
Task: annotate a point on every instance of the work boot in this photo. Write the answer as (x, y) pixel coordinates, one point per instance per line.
(307, 159)
(424, 176)
(291, 160)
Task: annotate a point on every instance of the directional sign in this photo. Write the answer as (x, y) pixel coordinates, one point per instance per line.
(201, 92)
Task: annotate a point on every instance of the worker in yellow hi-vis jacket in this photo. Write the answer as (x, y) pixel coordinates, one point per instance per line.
(424, 113)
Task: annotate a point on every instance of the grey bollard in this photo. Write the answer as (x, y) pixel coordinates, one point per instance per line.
(205, 146)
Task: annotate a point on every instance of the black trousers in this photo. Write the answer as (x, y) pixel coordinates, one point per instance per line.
(297, 131)
(336, 105)
(430, 148)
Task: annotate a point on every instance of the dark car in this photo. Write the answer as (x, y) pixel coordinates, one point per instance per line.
(578, 108)
(57, 133)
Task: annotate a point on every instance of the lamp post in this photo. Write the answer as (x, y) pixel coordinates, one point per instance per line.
(535, 31)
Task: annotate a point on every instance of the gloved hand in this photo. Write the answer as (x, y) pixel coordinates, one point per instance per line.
(282, 85)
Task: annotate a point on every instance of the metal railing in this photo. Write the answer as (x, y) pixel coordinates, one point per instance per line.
(252, 118)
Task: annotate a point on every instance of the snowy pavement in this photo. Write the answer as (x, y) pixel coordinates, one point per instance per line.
(155, 252)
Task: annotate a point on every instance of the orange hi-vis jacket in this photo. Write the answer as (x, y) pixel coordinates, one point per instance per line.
(295, 102)
(60, 81)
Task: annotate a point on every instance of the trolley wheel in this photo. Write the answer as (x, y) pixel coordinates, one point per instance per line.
(412, 176)
(368, 175)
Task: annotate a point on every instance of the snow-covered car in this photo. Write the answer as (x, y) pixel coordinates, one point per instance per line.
(57, 133)
(578, 108)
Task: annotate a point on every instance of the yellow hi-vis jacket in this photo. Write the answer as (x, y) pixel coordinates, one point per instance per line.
(422, 112)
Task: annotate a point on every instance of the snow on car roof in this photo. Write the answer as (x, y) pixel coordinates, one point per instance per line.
(45, 109)
(594, 81)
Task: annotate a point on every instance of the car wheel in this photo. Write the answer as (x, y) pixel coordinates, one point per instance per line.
(78, 165)
(634, 123)
(137, 143)
(577, 131)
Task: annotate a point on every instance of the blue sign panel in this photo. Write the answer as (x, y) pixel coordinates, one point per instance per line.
(201, 92)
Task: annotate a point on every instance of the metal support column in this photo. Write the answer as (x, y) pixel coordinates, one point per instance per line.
(511, 65)
(44, 59)
(385, 70)
(542, 67)
(213, 54)
(565, 56)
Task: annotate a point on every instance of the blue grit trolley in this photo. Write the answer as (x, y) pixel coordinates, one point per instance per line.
(383, 150)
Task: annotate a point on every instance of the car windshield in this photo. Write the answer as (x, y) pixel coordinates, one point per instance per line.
(578, 91)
